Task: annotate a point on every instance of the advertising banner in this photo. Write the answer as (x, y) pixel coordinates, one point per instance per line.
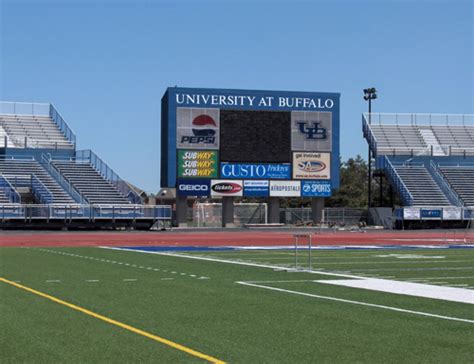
(197, 128)
(222, 187)
(256, 188)
(311, 131)
(255, 171)
(411, 213)
(192, 164)
(193, 187)
(311, 165)
(315, 189)
(452, 213)
(285, 188)
(429, 214)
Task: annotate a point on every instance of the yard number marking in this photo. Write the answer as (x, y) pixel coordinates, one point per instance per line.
(118, 323)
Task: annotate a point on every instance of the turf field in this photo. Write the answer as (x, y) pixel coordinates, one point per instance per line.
(92, 304)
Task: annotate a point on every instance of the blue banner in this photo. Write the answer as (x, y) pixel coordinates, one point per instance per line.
(430, 214)
(315, 189)
(256, 171)
(256, 188)
(193, 187)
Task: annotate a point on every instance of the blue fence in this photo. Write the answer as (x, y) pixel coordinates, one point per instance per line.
(86, 212)
(10, 192)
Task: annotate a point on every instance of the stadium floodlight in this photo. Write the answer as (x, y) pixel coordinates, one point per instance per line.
(369, 95)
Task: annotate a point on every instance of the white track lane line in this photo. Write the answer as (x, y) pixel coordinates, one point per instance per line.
(419, 313)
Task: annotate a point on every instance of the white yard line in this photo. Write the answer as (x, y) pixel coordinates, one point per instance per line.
(360, 303)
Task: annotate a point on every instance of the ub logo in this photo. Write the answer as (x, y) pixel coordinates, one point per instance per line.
(314, 132)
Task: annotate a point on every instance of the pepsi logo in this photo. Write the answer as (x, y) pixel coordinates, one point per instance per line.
(227, 188)
(311, 166)
(203, 122)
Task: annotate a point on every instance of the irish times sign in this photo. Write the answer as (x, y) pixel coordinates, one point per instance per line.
(221, 142)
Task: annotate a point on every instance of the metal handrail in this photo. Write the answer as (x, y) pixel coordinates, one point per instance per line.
(398, 180)
(62, 124)
(62, 180)
(10, 191)
(41, 191)
(446, 184)
(108, 174)
(421, 119)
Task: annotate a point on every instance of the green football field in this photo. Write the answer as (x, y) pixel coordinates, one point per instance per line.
(88, 305)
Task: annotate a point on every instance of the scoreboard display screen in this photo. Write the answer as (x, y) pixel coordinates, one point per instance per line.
(255, 136)
(217, 142)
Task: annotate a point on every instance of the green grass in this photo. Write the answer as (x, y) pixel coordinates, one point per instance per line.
(205, 309)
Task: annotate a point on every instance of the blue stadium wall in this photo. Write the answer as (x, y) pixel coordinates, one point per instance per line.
(249, 100)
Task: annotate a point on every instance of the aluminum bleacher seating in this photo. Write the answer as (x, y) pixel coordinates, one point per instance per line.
(32, 131)
(3, 197)
(423, 188)
(90, 183)
(19, 173)
(461, 180)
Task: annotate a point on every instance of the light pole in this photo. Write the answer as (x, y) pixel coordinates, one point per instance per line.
(369, 95)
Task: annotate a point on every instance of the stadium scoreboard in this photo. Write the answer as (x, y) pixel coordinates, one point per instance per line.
(221, 142)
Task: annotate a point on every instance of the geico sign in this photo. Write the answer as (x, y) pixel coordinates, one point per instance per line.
(193, 188)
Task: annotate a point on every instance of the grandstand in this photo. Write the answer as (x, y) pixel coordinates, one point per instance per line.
(428, 158)
(43, 177)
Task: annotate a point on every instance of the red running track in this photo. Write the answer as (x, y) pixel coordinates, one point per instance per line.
(244, 238)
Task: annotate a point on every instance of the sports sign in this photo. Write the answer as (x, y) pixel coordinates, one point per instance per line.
(428, 214)
(315, 189)
(266, 171)
(285, 188)
(256, 188)
(197, 128)
(221, 187)
(193, 187)
(411, 213)
(311, 165)
(201, 164)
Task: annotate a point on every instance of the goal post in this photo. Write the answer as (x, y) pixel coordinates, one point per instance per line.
(469, 232)
(303, 245)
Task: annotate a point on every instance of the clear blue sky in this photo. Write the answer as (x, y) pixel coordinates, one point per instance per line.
(105, 64)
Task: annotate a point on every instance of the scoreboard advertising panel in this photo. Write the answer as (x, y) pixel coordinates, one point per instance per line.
(222, 142)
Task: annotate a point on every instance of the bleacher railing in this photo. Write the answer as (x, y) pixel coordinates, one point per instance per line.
(369, 134)
(42, 193)
(10, 192)
(65, 184)
(419, 119)
(395, 178)
(445, 185)
(88, 156)
(86, 212)
(61, 123)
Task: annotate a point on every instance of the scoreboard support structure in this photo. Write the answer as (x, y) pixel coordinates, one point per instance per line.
(181, 211)
(273, 210)
(317, 206)
(228, 212)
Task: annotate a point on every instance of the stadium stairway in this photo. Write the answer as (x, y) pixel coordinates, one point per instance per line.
(14, 170)
(423, 188)
(461, 180)
(3, 197)
(90, 183)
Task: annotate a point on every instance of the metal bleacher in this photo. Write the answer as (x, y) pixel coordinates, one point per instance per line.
(90, 183)
(423, 188)
(33, 131)
(462, 181)
(19, 173)
(411, 148)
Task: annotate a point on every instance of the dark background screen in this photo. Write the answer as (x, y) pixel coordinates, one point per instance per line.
(255, 136)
